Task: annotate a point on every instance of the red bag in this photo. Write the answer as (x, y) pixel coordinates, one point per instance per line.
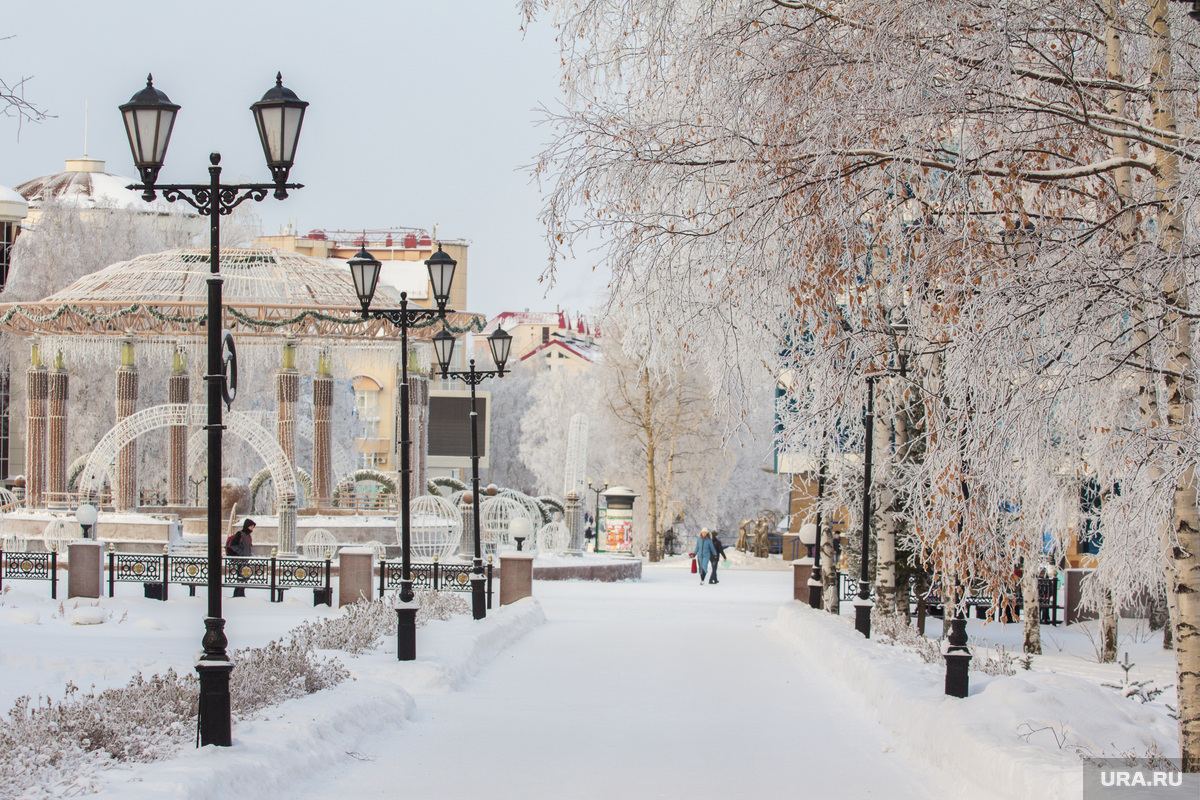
(694, 568)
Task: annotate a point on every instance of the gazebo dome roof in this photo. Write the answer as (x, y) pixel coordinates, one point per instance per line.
(84, 183)
(266, 292)
(251, 277)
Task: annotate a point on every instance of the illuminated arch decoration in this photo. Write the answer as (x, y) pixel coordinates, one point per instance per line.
(100, 462)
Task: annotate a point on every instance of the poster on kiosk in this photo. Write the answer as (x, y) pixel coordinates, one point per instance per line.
(617, 533)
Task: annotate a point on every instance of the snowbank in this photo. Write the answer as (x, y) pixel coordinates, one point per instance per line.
(319, 729)
(1019, 736)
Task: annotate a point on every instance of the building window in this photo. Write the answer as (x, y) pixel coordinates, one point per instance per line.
(545, 334)
(371, 460)
(366, 403)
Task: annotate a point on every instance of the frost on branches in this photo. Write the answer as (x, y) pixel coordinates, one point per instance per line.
(984, 204)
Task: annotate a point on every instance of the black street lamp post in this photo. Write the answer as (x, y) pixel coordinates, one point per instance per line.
(364, 270)
(862, 603)
(443, 347)
(596, 518)
(814, 579)
(149, 118)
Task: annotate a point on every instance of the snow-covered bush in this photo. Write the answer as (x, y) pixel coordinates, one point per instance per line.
(362, 625)
(280, 670)
(47, 746)
(894, 629)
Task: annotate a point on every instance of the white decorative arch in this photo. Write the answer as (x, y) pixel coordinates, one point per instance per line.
(100, 463)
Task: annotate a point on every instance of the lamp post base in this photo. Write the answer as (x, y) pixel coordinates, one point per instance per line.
(957, 665)
(957, 655)
(814, 594)
(406, 623)
(216, 727)
(478, 598)
(862, 617)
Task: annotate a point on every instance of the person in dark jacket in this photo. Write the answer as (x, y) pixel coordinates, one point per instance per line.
(241, 545)
(718, 554)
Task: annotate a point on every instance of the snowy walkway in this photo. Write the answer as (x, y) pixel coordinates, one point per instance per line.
(662, 689)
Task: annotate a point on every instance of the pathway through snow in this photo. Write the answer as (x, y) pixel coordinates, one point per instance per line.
(657, 689)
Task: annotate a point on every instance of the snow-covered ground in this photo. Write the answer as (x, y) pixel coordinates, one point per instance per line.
(655, 688)
(658, 688)
(137, 635)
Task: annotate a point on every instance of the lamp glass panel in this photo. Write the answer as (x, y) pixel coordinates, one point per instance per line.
(270, 127)
(292, 119)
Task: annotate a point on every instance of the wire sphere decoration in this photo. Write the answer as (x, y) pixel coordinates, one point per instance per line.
(495, 515)
(59, 533)
(553, 537)
(435, 527)
(8, 500)
(377, 548)
(319, 544)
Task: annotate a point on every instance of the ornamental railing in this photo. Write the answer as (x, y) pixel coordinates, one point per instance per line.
(435, 576)
(1047, 589)
(158, 572)
(30, 567)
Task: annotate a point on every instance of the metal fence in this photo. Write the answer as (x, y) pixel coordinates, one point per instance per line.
(1047, 589)
(274, 574)
(434, 575)
(30, 567)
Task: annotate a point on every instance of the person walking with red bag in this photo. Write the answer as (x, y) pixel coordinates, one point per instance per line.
(705, 553)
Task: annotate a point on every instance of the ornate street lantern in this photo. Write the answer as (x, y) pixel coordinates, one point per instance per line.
(364, 270)
(279, 115)
(500, 343)
(149, 119)
(441, 275)
(443, 348)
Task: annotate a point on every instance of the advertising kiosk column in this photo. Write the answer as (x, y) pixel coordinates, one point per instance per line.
(616, 535)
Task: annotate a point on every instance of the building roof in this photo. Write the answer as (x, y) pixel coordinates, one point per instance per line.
(585, 350)
(84, 183)
(549, 319)
(266, 292)
(13, 207)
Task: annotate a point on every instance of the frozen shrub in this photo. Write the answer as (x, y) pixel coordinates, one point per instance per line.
(278, 671)
(360, 626)
(49, 748)
(893, 629)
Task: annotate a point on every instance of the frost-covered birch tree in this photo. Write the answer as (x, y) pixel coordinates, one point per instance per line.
(776, 176)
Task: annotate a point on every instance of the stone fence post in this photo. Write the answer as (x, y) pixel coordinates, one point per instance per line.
(356, 575)
(516, 577)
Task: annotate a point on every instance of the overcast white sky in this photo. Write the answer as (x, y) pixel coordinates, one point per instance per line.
(421, 113)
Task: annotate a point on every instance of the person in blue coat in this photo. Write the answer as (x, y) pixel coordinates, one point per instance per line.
(705, 552)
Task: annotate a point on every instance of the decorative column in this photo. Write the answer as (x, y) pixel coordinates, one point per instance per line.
(56, 462)
(125, 492)
(179, 391)
(287, 527)
(287, 393)
(466, 506)
(35, 430)
(574, 522)
(322, 474)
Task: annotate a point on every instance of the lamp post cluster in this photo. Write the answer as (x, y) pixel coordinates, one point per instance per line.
(957, 654)
(149, 119)
(364, 271)
(500, 343)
